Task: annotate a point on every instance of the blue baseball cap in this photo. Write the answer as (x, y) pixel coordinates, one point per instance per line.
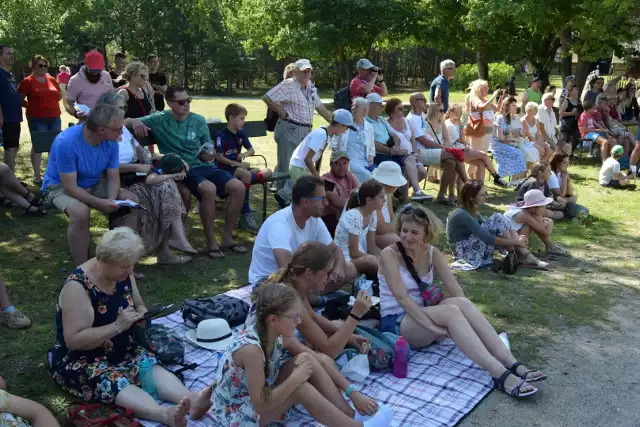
(344, 117)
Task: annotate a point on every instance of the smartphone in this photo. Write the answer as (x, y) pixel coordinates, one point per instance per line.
(156, 311)
(329, 186)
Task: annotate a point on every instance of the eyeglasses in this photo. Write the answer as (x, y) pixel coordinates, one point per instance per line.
(41, 66)
(182, 101)
(295, 317)
(119, 130)
(421, 99)
(317, 199)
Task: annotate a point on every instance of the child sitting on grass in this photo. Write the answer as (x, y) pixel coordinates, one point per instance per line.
(19, 412)
(229, 143)
(610, 175)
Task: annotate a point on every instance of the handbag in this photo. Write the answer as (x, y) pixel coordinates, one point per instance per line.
(127, 179)
(475, 126)
(432, 294)
(510, 263)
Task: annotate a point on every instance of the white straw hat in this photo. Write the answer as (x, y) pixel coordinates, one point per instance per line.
(533, 198)
(212, 334)
(389, 173)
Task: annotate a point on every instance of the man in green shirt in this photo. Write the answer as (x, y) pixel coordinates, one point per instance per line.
(532, 94)
(186, 134)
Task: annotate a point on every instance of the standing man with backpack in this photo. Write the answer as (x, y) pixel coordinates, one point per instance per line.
(295, 100)
(370, 79)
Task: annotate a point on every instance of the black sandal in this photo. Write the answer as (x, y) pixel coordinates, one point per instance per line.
(515, 392)
(37, 212)
(514, 370)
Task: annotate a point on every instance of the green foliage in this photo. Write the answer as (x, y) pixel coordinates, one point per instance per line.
(499, 73)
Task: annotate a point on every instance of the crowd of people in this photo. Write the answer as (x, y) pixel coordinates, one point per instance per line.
(330, 229)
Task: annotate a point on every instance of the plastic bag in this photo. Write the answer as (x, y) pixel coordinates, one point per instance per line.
(357, 369)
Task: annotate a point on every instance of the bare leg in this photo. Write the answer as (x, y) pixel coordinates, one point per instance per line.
(78, 232)
(448, 175)
(384, 240)
(15, 197)
(147, 408)
(366, 264)
(171, 389)
(208, 213)
(235, 190)
(179, 238)
(411, 172)
(10, 157)
(4, 296)
(130, 220)
(36, 161)
(480, 167)
(635, 155)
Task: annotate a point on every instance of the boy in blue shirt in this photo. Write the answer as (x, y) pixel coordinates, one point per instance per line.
(229, 156)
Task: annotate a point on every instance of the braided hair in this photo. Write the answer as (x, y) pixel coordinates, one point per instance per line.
(271, 300)
(312, 256)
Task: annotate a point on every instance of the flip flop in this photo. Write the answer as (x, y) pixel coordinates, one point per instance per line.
(216, 254)
(235, 248)
(444, 202)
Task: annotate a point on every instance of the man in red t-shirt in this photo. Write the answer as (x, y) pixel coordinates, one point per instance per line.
(343, 183)
(365, 82)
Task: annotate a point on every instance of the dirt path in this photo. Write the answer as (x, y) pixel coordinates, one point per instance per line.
(593, 380)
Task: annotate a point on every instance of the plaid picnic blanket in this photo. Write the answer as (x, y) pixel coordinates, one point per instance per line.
(442, 385)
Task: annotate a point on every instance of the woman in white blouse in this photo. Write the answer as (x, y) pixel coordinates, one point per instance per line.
(359, 144)
(356, 231)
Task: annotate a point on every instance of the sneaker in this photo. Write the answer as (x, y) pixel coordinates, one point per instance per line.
(247, 222)
(500, 182)
(421, 195)
(281, 202)
(14, 320)
(557, 250)
(515, 182)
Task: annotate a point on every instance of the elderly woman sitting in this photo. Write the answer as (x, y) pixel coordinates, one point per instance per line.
(533, 137)
(158, 193)
(359, 144)
(95, 357)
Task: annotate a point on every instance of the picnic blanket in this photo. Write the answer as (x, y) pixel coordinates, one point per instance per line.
(442, 385)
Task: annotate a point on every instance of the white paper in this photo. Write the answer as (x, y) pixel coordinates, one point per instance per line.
(129, 203)
(83, 108)
(374, 301)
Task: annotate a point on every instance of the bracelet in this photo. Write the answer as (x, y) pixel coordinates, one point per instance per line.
(381, 81)
(117, 329)
(355, 317)
(350, 390)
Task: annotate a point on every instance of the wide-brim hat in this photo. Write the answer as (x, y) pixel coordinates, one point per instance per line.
(389, 173)
(533, 198)
(212, 334)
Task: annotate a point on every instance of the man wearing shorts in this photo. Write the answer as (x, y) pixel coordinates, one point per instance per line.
(10, 107)
(82, 173)
(186, 134)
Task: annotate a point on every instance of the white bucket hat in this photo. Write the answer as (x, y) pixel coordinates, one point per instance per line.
(533, 198)
(389, 173)
(212, 334)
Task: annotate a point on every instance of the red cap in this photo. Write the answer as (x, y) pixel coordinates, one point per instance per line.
(94, 61)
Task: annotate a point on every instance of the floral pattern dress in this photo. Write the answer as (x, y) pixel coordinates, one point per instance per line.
(231, 401)
(7, 419)
(473, 253)
(98, 375)
(510, 159)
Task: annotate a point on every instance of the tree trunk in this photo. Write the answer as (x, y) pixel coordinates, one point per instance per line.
(483, 65)
(582, 71)
(543, 73)
(567, 56)
(341, 68)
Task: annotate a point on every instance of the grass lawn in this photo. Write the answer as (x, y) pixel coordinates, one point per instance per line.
(532, 306)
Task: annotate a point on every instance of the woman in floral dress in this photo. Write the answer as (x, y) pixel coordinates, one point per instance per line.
(504, 143)
(95, 357)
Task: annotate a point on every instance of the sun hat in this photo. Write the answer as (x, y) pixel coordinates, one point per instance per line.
(374, 98)
(365, 64)
(303, 64)
(533, 198)
(336, 155)
(344, 117)
(94, 61)
(389, 173)
(212, 334)
(617, 150)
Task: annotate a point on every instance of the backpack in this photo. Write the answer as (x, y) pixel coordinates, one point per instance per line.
(231, 309)
(271, 120)
(162, 341)
(342, 99)
(381, 349)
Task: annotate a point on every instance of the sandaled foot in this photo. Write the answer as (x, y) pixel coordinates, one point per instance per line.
(176, 416)
(200, 404)
(138, 276)
(186, 248)
(529, 376)
(216, 253)
(174, 260)
(33, 210)
(514, 386)
(234, 247)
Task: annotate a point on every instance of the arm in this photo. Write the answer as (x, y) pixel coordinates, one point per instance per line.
(309, 163)
(354, 247)
(338, 258)
(525, 99)
(564, 183)
(444, 273)
(69, 107)
(322, 110)
(134, 167)
(526, 129)
(35, 413)
(372, 248)
(113, 183)
(250, 358)
(275, 106)
(138, 303)
(336, 200)
(155, 179)
(538, 227)
(563, 110)
(438, 95)
(221, 159)
(445, 135)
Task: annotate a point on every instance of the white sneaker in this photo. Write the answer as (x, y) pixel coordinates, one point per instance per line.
(421, 195)
(248, 222)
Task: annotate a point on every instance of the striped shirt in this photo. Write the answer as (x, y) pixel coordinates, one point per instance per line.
(298, 102)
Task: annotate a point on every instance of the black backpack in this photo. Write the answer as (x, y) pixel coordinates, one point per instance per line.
(271, 120)
(342, 99)
(231, 309)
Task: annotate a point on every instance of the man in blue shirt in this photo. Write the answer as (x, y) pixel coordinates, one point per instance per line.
(82, 173)
(440, 85)
(10, 107)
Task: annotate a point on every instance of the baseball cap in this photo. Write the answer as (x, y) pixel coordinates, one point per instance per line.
(570, 78)
(536, 79)
(374, 97)
(365, 63)
(617, 150)
(336, 155)
(343, 117)
(303, 64)
(94, 61)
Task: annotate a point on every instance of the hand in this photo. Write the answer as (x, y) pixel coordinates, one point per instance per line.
(337, 275)
(284, 115)
(373, 75)
(80, 115)
(364, 404)
(126, 318)
(178, 176)
(303, 367)
(379, 76)
(438, 330)
(139, 128)
(362, 304)
(522, 242)
(107, 206)
(360, 342)
(245, 165)
(207, 157)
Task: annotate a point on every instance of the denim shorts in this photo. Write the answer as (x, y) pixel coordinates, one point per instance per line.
(217, 176)
(44, 125)
(391, 323)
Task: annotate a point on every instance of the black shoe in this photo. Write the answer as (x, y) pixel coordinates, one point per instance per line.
(497, 180)
(281, 203)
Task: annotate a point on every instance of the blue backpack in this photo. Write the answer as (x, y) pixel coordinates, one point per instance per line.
(381, 350)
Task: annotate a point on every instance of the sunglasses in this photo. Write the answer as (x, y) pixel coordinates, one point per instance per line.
(183, 101)
(421, 99)
(42, 66)
(317, 199)
(410, 210)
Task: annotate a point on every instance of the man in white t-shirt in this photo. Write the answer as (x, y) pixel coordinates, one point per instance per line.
(430, 152)
(610, 175)
(307, 154)
(284, 231)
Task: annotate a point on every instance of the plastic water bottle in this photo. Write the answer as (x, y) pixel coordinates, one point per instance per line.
(401, 358)
(145, 371)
